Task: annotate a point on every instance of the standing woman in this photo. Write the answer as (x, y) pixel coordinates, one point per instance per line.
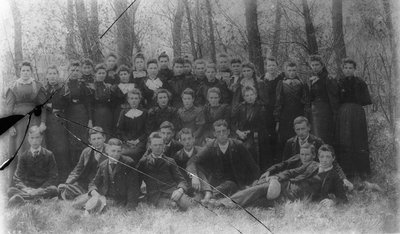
(21, 98)
(78, 108)
(139, 70)
(291, 102)
(161, 112)
(248, 78)
(324, 101)
(151, 83)
(102, 99)
(56, 135)
(250, 126)
(111, 65)
(214, 111)
(351, 124)
(131, 126)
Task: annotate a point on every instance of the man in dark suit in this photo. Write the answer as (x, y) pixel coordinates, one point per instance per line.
(36, 173)
(165, 185)
(115, 179)
(196, 186)
(78, 180)
(318, 181)
(172, 146)
(226, 162)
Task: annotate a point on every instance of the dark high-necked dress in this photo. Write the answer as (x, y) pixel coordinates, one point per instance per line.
(291, 102)
(251, 117)
(20, 99)
(56, 135)
(78, 109)
(324, 97)
(157, 115)
(351, 127)
(103, 99)
(201, 95)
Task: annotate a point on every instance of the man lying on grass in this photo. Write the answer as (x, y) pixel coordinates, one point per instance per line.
(165, 184)
(291, 151)
(115, 179)
(318, 181)
(36, 174)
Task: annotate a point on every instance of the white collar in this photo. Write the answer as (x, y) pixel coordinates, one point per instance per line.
(224, 147)
(133, 113)
(125, 87)
(21, 81)
(190, 152)
(35, 150)
(320, 169)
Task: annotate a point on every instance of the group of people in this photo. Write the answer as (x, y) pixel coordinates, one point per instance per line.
(215, 134)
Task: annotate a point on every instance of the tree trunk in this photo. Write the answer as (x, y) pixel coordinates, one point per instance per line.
(310, 30)
(177, 29)
(199, 34)
(134, 35)
(95, 51)
(339, 46)
(277, 29)
(191, 36)
(70, 47)
(253, 35)
(83, 25)
(18, 55)
(211, 27)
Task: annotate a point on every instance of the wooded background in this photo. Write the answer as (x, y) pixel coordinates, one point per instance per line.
(54, 32)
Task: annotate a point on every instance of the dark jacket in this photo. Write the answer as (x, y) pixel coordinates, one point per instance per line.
(292, 146)
(243, 166)
(156, 116)
(84, 172)
(36, 172)
(174, 147)
(201, 95)
(132, 129)
(354, 90)
(123, 187)
(308, 180)
(163, 176)
(182, 159)
(249, 117)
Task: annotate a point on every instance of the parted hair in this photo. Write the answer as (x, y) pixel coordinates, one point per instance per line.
(178, 60)
(220, 122)
(114, 141)
(214, 90)
(249, 88)
(158, 91)
(96, 130)
(187, 131)
(316, 58)
(154, 135)
(188, 91)
(301, 119)
(26, 64)
(150, 61)
(122, 68)
(87, 61)
(135, 91)
(327, 148)
(349, 61)
(236, 60)
(168, 125)
(111, 54)
(163, 55)
(100, 66)
(54, 67)
(34, 129)
(309, 146)
(73, 63)
(200, 61)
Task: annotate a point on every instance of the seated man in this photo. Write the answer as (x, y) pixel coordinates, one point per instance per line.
(114, 179)
(168, 132)
(165, 184)
(78, 180)
(292, 148)
(182, 157)
(318, 181)
(36, 173)
(227, 163)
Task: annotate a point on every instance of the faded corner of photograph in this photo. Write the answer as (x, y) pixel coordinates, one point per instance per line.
(199, 116)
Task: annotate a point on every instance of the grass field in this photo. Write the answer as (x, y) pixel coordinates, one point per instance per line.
(366, 212)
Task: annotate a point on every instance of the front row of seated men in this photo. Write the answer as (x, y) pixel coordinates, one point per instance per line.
(180, 175)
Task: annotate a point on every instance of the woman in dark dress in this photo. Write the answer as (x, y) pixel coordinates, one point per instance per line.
(324, 101)
(21, 98)
(291, 102)
(248, 78)
(139, 70)
(249, 124)
(111, 65)
(162, 112)
(87, 71)
(191, 116)
(210, 82)
(78, 108)
(151, 83)
(214, 111)
(119, 98)
(102, 100)
(351, 124)
(56, 135)
(131, 126)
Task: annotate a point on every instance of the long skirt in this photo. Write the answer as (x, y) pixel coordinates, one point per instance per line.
(322, 123)
(103, 117)
(20, 127)
(57, 142)
(78, 113)
(352, 140)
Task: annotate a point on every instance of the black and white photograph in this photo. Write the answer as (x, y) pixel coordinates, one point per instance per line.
(199, 116)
